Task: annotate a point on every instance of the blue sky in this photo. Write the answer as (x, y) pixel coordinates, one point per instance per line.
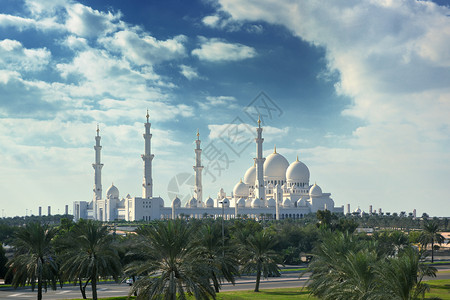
(359, 90)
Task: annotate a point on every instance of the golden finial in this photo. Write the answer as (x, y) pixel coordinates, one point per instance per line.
(98, 129)
(259, 120)
(240, 181)
(275, 149)
(198, 134)
(297, 157)
(147, 116)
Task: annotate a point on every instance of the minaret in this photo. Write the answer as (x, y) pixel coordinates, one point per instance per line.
(198, 191)
(259, 160)
(147, 184)
(98, 172)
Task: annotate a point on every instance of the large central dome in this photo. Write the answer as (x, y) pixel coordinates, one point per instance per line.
(275, 167)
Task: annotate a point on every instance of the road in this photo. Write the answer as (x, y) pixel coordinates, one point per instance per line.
(114, 290)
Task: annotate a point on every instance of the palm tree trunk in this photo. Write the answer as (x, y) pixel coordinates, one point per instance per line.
(432, 250)
(83, 290)
(39, 295)
(215, 282)
(258, 277)
(94, 288)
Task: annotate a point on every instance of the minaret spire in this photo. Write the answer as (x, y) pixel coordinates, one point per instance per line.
(198, 190)
(147, 157)
(97, 172)
(259, 161)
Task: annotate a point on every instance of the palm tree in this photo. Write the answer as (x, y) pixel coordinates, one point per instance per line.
(170, 263)
(342, 268)
(222, 258)
(90, 253)
(431, 235)
(259, 256)
(401, 277)
(34, 259)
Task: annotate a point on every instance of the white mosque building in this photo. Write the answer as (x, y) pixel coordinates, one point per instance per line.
(272, 188)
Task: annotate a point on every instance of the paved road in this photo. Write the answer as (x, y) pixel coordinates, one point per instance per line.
(114, 290)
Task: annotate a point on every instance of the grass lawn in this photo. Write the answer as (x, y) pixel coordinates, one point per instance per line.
(439, 288)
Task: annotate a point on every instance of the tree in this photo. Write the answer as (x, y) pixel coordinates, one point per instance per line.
(401, 277)
(170, 263)
(34, 260)
(259, 256)
(90, 253)
(342, 267)
(222, 258)
(430, 235)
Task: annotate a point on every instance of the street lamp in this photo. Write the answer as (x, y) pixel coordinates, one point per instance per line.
(223, 230)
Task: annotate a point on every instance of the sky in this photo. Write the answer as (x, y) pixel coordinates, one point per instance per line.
(358, 89)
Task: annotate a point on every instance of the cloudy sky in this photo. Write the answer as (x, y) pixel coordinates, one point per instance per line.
(359, 90)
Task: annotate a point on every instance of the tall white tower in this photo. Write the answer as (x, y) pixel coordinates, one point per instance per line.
(259, 160)
(198, 190)
(98, 172)
(147, 185)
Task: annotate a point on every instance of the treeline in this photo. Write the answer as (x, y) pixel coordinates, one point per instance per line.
(193, 256)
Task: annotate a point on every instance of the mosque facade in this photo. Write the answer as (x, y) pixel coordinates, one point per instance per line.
(271, 188)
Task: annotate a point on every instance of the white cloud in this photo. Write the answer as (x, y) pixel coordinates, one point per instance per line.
(211, 21)
(188, 72)
(87, 22)
(14, 56)
(145, 49)
(215, 102)
(217, 50)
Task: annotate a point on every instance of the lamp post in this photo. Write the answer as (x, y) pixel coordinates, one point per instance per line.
(223, 231)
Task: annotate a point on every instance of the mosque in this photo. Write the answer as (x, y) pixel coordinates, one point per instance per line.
(272, 188)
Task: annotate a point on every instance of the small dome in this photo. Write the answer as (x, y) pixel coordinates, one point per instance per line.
(209, 202)
(301, 202)
(193, 202)
(112, 192)
(226, 202)
(297, 172)
(240, 190)
(241, 203)
(256, 203)
(250, 176)
(271, 202)
(275, 167)
(315, 191)
(286, 203)
(176, 202)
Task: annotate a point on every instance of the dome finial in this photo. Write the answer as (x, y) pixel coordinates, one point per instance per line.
(275, 149)
(241, 180)
(98, 130)
(259, 120)
(297, 157)
(147, 116)
(198, 134)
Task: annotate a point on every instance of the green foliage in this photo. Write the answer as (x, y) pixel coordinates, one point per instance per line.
(88, 251)
(3, 262)
(170, 263)
(258, 256)
(430, 235)
(349, 267)
(34, 260)
(221, 255)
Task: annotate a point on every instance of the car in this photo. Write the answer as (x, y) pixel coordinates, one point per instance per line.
(129, 281)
